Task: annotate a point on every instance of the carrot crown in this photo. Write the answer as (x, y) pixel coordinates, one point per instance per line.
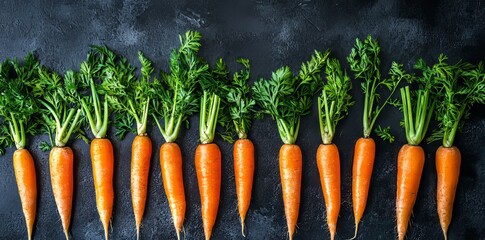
(365, 63)
(18, 106)
(61, 110)
(286, 98)
(214, 85)
(128, 95)
(463, 85)
(334, 101)
(91, 69)
(176, 94)
(241, 105)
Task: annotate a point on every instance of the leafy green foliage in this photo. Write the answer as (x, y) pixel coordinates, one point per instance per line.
(129, 96)
(335, 99)
(286, 97)
(364, 61)
(462, 85)
(176, 96)
(18, 107)
(385, 133)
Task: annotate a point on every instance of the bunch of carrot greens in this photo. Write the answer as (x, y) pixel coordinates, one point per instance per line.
(286, 98)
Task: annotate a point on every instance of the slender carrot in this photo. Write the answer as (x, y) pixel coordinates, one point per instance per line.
(365, 63)
(176, 98)
(23, 165)
(410, 165)
(462, 85)
(243, 172)
(208, 168)
(448, 161)
(19, 110)
(286, 98)
(129, 97)
(61, 160)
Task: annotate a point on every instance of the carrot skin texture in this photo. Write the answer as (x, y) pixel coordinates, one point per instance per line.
(141, 152)
(328, 162)
(364, 156)
(61, 160)
(24, 168)
(290, 172)
(448, 161)
(173, 182)
(208, 168)
(410, 163)
(244, 173)
(102, 160)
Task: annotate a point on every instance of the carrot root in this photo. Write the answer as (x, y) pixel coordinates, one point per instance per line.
(243, 174)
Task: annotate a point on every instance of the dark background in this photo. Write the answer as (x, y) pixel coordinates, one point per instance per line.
(271, 34)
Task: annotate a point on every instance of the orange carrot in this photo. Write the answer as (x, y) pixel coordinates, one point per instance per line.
(364, 156)
(172, 176)
(208, 168)
(141, 152)
(328, 162)
(23, 165)
(102, 160)
(61, 161)
(244, 172)
(290, 173)
(448, 160)
(409, 169)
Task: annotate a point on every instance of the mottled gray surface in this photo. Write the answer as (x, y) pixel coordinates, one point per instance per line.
(269, 33)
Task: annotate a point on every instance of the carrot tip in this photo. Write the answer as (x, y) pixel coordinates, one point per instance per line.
(137, 232)
(67, 234)
(445, 234)
(356, 230)
(242, 227)
(178, 234)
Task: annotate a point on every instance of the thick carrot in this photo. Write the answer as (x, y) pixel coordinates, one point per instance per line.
(102, 160)
(208, 168)
(410, 165)
(172, 176)
(61, 160)
(23, 165)
(364, 156)
(290, 173)
(244, 172)
(328, 162)
(141, 152)
(448, 160)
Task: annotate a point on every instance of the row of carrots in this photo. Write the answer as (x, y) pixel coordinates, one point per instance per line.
(35, 100)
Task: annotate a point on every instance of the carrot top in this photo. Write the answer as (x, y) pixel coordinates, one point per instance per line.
(61, 112)
(463, 85)
(364, 61)
(286, 98)
(334, 101)
(176, 92)
(241, 105)
(128, 95)
(18, 106)
(214, 85)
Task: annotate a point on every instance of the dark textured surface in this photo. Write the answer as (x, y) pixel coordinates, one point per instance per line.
(269, 33)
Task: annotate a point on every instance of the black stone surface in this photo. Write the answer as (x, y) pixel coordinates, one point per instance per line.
(270, 33)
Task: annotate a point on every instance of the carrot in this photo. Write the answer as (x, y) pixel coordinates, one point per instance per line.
(365, 64)
(175, 99)
(290, 172)
(410, 165)
(241, 112)
(460, 86)
(208, 168)
(243, 172)
(448, 160)
(61, 161)
(141, 151)
(61, 112)
(171, 168)
(286, 98)
(23, 165)
(333, 104)
(129, 97)
(19, 110)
